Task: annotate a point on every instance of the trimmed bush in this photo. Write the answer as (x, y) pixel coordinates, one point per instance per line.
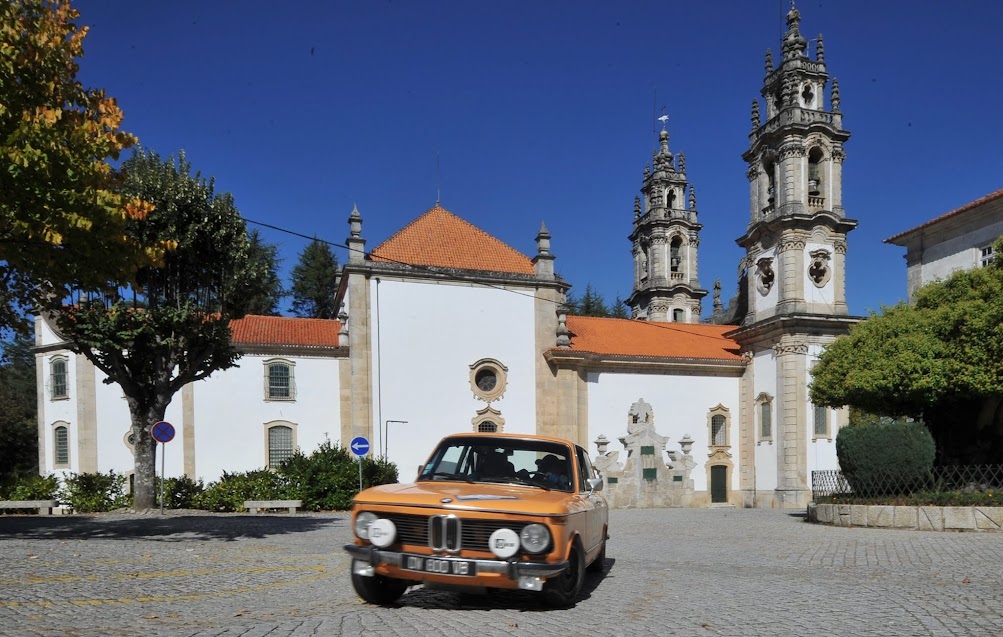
(882, 457)
(233, 489)
(328, 478)
(180, 493)
(94, 492)
(33, 487)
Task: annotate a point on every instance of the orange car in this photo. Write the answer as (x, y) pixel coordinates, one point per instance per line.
(487, 511)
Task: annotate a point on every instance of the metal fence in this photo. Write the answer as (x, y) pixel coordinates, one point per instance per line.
(971, 482)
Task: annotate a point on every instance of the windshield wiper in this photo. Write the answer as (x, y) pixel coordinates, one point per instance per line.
(447, 475)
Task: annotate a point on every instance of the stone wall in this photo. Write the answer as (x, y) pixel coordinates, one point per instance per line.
(922, 518)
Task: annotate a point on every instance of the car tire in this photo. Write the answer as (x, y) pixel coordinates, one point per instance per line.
(378, 589)
(563, 590)
(599, 563)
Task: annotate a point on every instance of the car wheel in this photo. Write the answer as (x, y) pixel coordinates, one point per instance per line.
(562, 591)
(378, 589)
(599, 563)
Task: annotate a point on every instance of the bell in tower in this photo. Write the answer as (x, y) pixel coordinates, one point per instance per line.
(665, 239)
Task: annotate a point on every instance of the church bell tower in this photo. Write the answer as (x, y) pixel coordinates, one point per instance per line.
(664, 242)
(793, 272)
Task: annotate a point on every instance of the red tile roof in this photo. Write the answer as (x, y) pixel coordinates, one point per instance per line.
(993, 196)
(281, 330)
(438, 238)
(625, 337)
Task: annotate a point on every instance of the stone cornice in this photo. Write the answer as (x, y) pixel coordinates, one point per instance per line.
(770, 331)
(571, 359)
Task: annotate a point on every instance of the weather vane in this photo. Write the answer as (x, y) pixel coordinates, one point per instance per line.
(663, 119)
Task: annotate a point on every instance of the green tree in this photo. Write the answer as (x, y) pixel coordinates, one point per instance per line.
(61, 214)
(264, 267)
(939, 359)
(591, 303)
(173, 326)
(619, 309)
(315, 280)
(18, 410)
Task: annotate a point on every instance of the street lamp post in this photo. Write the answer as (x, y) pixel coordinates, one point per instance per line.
(386, 435)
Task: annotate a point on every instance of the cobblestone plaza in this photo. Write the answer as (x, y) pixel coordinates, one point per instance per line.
(669, 572)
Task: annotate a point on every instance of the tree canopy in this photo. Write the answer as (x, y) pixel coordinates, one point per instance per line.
(172, 327)
(592, 303)
(18, 410)
(62, 214)
(264, 268)
(315, 282)
(940, 359)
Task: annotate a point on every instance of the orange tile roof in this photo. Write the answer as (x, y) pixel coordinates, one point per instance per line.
(625, 337)
(993, 196)
(282, 330)
(438, 238)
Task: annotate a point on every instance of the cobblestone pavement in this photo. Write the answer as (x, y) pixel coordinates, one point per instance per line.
(669, 572)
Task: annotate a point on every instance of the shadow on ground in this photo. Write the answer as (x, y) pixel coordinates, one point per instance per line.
(421, 597)
(167, 529)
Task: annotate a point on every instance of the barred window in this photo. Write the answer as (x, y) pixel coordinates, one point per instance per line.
(821, 422)
(280, 383)
(719, 435)
(487, 427)
(58, 376)
(280, 445)
(61, 442)
(986, 256)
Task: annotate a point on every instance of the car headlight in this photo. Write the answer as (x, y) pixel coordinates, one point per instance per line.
(535, 538)
(362, 522)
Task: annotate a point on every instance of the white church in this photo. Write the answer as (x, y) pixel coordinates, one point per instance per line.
(445, 328)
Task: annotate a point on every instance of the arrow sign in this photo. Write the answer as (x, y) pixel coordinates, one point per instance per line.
(360, 446)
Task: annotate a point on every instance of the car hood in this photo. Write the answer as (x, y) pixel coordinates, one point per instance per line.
(501, 498)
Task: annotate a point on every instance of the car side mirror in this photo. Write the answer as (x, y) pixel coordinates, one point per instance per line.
(595, 484)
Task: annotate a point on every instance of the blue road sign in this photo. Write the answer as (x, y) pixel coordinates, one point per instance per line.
(360, 446)
(162, 431)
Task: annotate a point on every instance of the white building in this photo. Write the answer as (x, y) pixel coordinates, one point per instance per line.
(957, 240)
(446, 328)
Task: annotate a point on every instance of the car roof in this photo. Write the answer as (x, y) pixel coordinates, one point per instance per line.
(511, 436)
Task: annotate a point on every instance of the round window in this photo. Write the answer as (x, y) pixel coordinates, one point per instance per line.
(486, 379)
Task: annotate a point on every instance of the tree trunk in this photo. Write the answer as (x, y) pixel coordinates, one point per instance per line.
(145, 454)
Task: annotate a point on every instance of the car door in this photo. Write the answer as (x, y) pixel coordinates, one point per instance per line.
(595, 504)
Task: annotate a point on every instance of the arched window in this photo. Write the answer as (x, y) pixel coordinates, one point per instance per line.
(281, 445)
(488, 420)
(675, 254)
(815, 157)
(279, 380)
(670, 198)
(61, 445)
(771, 182)
(678, 315)
(58, 377)
(718, 426)
(487, 427)
(765, 409)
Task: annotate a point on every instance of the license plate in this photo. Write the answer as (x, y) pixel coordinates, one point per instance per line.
(439, 565)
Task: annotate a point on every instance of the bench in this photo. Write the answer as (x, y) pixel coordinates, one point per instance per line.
(44, 506)
(254, 505)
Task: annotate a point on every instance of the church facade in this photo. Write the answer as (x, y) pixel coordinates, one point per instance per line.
(445, 328)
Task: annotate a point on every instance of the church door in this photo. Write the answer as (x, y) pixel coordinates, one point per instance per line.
(718, 483)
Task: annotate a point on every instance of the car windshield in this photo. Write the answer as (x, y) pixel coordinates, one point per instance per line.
(534, 463)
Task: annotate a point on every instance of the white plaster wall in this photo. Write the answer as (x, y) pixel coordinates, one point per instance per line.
(231, 413)
(765, 380)
(424, 340)
(821, 452)
(64, 409)
(814, 294)
(680, 405)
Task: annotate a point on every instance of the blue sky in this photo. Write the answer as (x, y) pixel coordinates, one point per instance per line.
(542, 111)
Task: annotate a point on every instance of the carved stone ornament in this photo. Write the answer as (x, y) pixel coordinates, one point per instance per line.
(791, 244)
(659, 308)
(765, 276)
(800, 347)
(818, 269)
(840, 247)
(792, 150)
(752, 173)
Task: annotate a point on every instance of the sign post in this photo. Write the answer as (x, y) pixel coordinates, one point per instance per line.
(360, 447)
(162, 432)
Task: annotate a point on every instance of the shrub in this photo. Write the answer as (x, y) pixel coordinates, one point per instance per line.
(328, 478)
(878, 457)
(34, 487)
(180, 493)
(94, 492)
(233, 489)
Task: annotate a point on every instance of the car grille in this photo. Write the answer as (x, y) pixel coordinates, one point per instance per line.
(449, 532)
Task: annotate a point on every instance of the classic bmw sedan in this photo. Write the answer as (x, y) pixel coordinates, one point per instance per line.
(487, 511)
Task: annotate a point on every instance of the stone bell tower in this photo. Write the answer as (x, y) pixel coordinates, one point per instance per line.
(665, 241)
(794, 271)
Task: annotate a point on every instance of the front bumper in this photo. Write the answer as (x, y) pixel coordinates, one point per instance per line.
(514, 569)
